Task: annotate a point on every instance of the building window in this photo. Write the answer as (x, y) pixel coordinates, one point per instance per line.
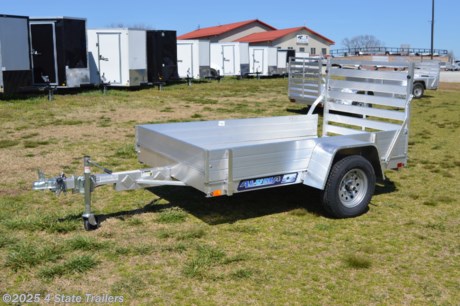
(290, 48)
(301, 49)
(324, 51)
(313, 51)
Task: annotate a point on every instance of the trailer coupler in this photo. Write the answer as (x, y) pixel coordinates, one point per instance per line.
(82, 184)
(85, 184)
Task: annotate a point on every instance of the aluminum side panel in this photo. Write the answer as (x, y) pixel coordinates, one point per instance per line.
(199, 152)
(187, 161)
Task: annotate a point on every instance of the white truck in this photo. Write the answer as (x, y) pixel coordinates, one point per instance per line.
(223, 157)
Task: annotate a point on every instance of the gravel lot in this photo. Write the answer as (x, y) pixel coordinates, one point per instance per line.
(450, 76)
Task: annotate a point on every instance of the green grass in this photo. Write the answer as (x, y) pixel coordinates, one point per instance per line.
(172, 215)
(358, 262)
(205, 258)
(26, 255)
(172, 245)
(6, 143)
(79, 264)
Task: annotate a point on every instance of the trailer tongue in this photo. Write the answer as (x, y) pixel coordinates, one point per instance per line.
(232, 156)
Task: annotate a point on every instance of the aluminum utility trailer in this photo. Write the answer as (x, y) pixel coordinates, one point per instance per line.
(305, 82)
(225, 157)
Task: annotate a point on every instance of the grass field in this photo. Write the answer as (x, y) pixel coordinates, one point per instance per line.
(171, 245)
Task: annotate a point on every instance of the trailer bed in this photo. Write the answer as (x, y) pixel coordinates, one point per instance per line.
(215, 155)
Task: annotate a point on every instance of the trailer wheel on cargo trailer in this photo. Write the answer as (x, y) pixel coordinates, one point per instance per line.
(225, 157)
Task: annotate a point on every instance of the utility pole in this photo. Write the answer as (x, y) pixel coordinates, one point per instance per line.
(432, 28)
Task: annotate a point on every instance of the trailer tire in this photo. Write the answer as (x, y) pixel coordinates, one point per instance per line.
(418, 90)
(349, 187)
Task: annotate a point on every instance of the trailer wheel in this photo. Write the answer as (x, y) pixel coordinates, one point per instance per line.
(418, 90)
(349, 188)
(88, 226)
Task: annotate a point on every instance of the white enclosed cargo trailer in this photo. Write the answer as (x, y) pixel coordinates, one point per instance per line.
(230, 58)
(15, 66)
(225, 157)
(263, 61)
(118, 57)
(282, 60)
(193, 59)
(59, 51)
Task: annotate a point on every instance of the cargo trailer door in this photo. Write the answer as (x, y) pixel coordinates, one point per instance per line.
(258, 61)
(228, 57)
(282, 59)
(109, 57)
(185, 60)
(44, 59)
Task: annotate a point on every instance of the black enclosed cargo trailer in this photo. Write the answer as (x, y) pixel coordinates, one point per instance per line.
(15, 66)
(59, 51)
(161, 56)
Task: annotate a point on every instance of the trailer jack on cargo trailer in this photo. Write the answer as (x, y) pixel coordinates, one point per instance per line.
(223, 157)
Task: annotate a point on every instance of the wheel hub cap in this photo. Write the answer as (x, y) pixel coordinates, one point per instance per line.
(353, 188)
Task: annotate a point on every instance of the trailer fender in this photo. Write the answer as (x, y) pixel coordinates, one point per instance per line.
(325, 154)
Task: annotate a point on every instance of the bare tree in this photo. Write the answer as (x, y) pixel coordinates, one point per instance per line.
(362, 42)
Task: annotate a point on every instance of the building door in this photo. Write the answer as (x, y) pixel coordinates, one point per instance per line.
(185, 60)
(257, 61)
(44, 60)
(228, 58)
(109, 57)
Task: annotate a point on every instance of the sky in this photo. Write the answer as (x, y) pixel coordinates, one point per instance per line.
(394, 22)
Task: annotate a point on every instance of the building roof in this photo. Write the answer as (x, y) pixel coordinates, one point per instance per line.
(277, 34)
(221, 29)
